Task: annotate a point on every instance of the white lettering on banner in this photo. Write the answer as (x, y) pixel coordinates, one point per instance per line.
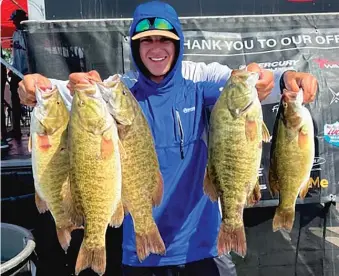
(331, 66)
(196, 45)
(206, 44)
(269, 44)
(216, 45)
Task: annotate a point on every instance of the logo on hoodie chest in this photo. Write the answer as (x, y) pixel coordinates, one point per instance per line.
(188, 109)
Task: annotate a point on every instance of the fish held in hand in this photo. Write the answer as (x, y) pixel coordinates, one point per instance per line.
(234, 154)
(50, 159)
(142, 183)
(95, 175)
(291, 160)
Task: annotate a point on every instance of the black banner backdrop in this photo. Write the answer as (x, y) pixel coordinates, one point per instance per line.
(304, 42)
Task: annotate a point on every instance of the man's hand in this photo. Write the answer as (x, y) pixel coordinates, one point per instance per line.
(265, 83)
(28, 85)
(296, 80)
(90, 77)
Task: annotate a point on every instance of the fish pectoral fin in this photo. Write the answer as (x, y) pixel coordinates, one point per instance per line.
(118, 216)
(209, 188)
(41, 205)
(43, 142)
(304, 188)
(273, 182)
(251, 129)
(107, 147)
(266, 137)
(303, 138)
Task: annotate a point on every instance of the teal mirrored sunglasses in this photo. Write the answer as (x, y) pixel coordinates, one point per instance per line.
(158, 24)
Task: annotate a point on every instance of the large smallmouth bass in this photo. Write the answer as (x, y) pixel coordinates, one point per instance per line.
(95, 175)
(292, 155)
(142, 183)
(50, 159)
(234, 154)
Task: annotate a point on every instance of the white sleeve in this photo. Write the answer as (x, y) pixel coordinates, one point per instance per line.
(200, 71)
(215, 72)
(65, 93)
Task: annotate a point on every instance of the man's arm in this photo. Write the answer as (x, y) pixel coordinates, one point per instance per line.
(200, 71)
(219, 74)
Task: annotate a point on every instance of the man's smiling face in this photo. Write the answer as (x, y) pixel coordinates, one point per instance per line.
(157, 54)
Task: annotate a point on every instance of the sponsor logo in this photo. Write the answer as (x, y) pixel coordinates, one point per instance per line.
(317, 162)
(275, 108)
(317, 182)
(331, 134)
(335, 95)
(188, 109)
(326, 64)
(286, 64)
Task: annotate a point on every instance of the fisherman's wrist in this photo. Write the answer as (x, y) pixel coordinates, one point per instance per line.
(282, 81)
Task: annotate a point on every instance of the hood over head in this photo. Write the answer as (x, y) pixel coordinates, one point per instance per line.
(157, 9)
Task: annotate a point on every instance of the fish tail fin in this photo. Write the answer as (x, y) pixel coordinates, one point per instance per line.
(150, 242)
(118, 216)
(283, 219)
(94, 258)
(209, 188)
(231, 239)
(41, 205)
(159, 190)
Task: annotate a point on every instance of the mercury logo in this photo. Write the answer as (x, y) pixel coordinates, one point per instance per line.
(190, 109)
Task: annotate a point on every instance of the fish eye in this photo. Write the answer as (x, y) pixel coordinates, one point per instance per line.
(58, 102)
(124, 92)
(81, 103)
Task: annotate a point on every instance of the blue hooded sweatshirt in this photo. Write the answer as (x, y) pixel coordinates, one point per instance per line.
(175, 110)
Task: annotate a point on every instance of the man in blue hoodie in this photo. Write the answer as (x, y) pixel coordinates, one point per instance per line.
(175, 109)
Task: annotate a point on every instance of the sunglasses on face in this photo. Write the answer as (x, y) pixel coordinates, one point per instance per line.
(158, 24)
